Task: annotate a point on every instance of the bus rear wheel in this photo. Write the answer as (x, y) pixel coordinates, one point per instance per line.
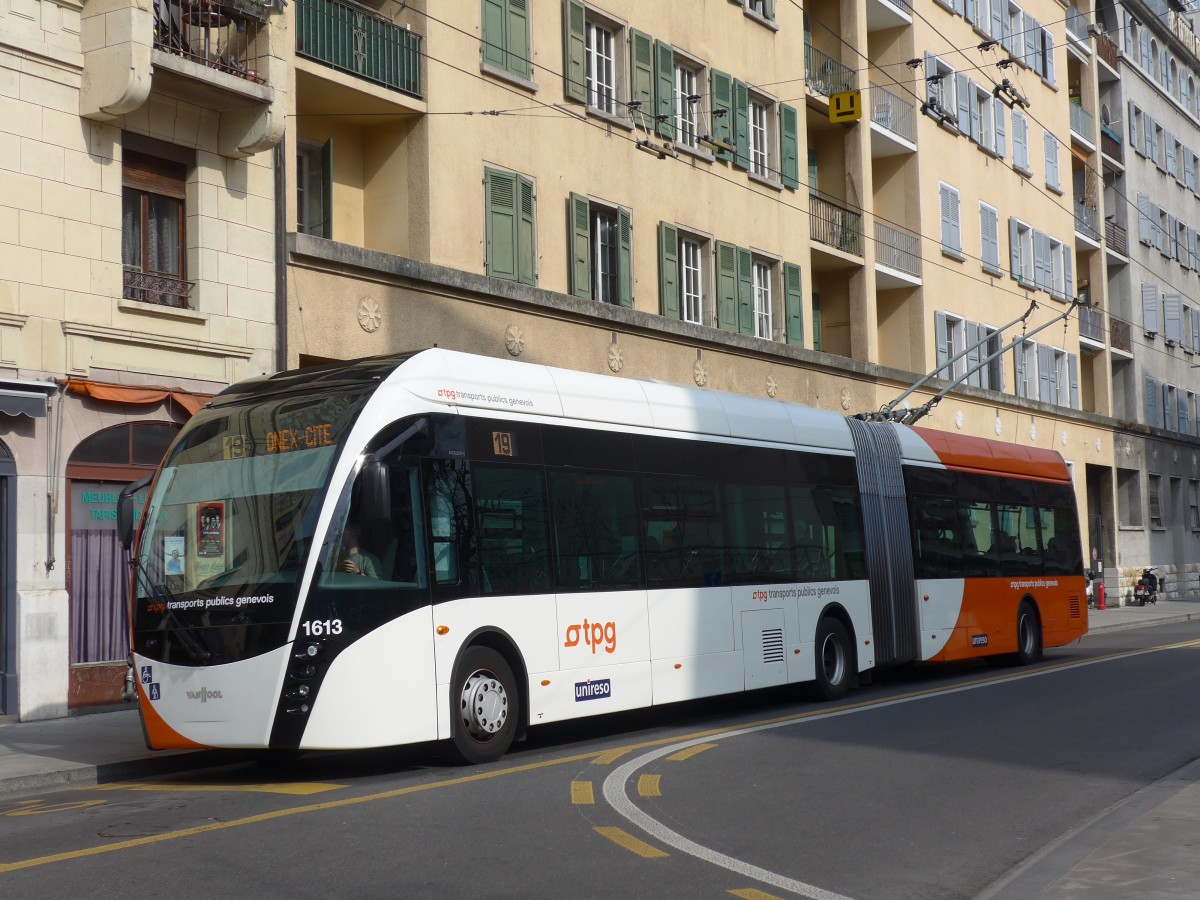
(485, 706)
(1029, 635)
(835, 660)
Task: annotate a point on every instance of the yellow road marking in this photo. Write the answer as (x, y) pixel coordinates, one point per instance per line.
(581, 793)
(296, 789)
(545, 764)
(690, 752)
(648, 786)
(630, 843)
(610, 756)
(752, 894)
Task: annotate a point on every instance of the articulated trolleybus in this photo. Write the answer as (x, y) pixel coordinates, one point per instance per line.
(439, 546)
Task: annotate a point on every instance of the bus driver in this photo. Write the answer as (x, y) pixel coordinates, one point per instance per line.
(355, 560)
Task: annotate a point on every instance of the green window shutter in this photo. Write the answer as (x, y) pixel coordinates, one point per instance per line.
(745, 291)
(574, 42)
(727, 287)
(816, 320)
(789, 146)
(500, 189)
(625, 256)
(741, 125)
(722, 110)
(492, 20)
(664, 90)
(579, 245)
(668, 270)
(327, 189)
(526, 233)
(517, 42)
(642, 80)
(793, 294)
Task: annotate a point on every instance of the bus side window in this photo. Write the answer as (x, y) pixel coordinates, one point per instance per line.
(510, 510)
(451, 531)
(595, 530)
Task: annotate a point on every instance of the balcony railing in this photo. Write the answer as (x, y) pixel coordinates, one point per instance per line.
(824, 74)
(221, 34)
(1082, 122)
(893, 113)
(153, 287)
(1091, 324)
(1077, 24)
(897, 249)
(1110, 144)
(352, 39)
(1108, 50)
(1119, 335)
(835, 225)
(1085, 221)
(1117, 238)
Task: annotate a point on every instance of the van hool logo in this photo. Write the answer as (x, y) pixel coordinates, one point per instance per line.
(594, 634)
(204, 695)
(592, 690)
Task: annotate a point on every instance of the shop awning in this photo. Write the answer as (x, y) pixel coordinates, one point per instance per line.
(23, 403)
(137, 394)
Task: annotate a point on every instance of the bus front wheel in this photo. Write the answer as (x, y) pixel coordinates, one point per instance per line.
(835, 660)
(485, 706)
(1029, 635)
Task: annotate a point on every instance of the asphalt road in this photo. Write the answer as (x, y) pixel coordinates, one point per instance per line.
(928, 784)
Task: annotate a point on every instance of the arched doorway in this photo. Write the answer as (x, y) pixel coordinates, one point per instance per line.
(97, 566)
(8, 581)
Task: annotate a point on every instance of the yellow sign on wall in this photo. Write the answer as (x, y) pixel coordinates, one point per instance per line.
(845, 106)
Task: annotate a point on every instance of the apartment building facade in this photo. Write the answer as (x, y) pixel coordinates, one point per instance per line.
(137, 261)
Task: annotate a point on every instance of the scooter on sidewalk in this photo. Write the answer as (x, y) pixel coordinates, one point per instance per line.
(1146, 589)
(1090, 588)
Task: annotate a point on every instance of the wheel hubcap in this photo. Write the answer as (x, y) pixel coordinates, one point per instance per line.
(484, 704)
(833, 660)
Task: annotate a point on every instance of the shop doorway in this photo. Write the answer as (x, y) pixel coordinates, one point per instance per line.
(97, 566)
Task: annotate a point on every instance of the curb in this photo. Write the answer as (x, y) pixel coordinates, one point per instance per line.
(1126, 626)
(84, 775)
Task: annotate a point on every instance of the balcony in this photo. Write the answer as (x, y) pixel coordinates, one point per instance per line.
(1077, 26)
(222, 36)
(1083, 124)
(1110, 144)
(1119, 336)
(1085, 222)
(1091, 327)
(824, 75)
(882, 14)
(1108, 51)
(898, 251)
(349, 38)
(896, 120)
(156, 288)
(835, 225)
(1116, 238)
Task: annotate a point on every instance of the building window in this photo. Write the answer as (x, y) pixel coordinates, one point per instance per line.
(600, 54)
(601, 245)
(510, 205)
(762, 299)
(1129, 497)
(763, 8)
(153, 245)
(940, 90)
(951, 342)
(688, 103)
(1194, 504)
(1020, 249)
(1154, 496)
(505, 27)
(760, 143)
(691, 279)
(314, 188)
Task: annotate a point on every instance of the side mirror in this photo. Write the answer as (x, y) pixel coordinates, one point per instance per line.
(125, 529)
(375, 496)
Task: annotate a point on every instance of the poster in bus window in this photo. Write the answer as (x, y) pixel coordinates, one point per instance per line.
(173, 550)
(210, 529)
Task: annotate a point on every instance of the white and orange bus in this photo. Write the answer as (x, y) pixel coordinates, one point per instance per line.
(439, 546)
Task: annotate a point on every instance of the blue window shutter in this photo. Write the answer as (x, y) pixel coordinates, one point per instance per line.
(1150, 308)
(1014, 248)
(1068, 277)
(1133, 138)
(1045, 358)
(1000, 113)
(964, 103)
(941, 350)
(974, 375)
(1073, 369)
(1173, 317)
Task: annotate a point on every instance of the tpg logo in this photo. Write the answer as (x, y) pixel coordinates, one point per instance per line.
(593, 634)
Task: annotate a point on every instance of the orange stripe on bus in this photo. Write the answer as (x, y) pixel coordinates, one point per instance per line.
(160, 735)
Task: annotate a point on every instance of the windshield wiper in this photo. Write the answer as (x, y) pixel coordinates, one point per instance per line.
(183, 633)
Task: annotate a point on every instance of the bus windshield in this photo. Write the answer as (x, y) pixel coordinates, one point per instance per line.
(232, 515)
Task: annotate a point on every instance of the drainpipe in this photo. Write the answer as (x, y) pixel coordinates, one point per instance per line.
(281, 301)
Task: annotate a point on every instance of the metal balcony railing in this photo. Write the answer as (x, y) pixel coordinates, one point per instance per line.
(1119, 335)
(1082, 122)
(835, 225)
(1077, 24)
(1085, 221)
(155, 287)
(893, 113)
(897, 249)
(1091, 324)
(227, 35)
(1117, 237)
(350, 38)
(1108, 50)
(824, 74)
(1110, 144)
